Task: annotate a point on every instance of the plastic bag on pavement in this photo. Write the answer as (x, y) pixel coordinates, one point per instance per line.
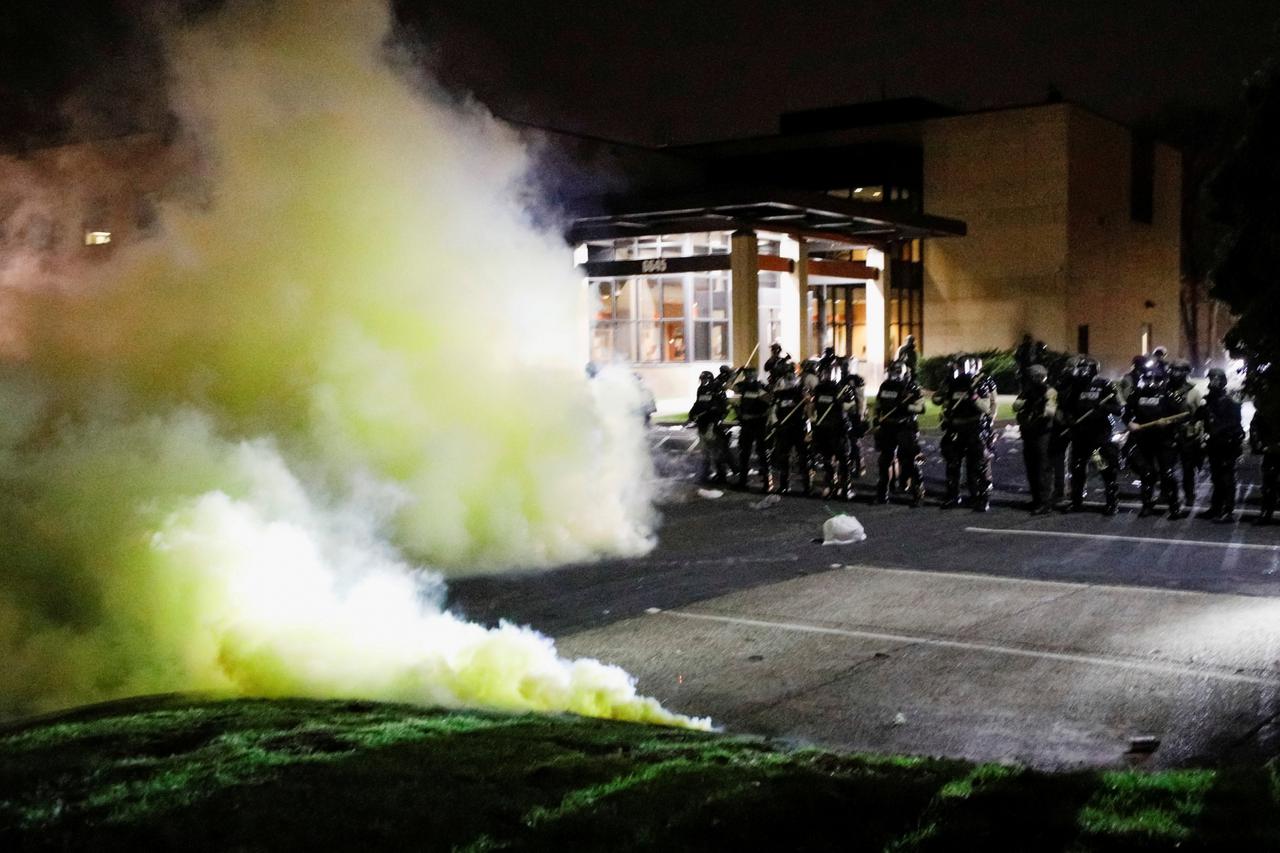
(842, 530)
(710, 494)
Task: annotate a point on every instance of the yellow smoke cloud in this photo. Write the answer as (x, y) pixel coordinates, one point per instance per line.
(227, 450)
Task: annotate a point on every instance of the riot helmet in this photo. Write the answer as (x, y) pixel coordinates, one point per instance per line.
(966, 367)
(1038, 373)
(1217, 379)
(749, 372)
(705, 376)
(1085, 368)
(1179, 370)
(810, 365)
(899, 372)
(1150, 379)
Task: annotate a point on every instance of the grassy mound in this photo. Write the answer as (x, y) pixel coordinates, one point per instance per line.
(259, 774)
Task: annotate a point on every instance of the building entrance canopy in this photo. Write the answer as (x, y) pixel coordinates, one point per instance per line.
(799, 213)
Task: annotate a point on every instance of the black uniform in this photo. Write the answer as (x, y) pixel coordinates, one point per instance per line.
(708, 413)
(753, 402)
(1189, 437)
(1264, 440)
(898, 436)
(1153, 452)
(1224, 441)
(1036, 408)
(789, 433)
(773, 362)
(967, 410)
(1087, 410)
(854, 387)
(1060, 438)
(831, 435)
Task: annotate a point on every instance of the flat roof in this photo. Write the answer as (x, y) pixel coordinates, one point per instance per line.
(796, 212)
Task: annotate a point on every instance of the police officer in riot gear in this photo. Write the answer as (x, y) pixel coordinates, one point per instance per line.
(968, 401)
(789, 429)
(899, 403)
(753, 401)
(1153, 416)
(1264, 441)
(831, 435)
(855, 407)
(776, 358)
(1037, 409)
(1224, 439)
(1189, 435)
(1087, 409)
(809, 375)
(709, 409)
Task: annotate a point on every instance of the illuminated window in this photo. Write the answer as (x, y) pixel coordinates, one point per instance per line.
(97, 238)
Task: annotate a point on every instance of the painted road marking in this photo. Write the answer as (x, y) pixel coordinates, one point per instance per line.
(1204, 543)
(1073, 585)
(990, 648)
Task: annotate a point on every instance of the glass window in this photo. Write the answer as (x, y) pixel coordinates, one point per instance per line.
(672, 299)
(623, 293)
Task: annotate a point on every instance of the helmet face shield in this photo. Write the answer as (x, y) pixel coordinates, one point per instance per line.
(899, 372)
(1218, 379)
(967, 366)
(705, 376)
(1085, 368)
(1149, 380)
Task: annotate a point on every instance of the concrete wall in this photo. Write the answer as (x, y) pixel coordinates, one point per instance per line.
(1051, 244)
(1005, 174)
(1118, 266)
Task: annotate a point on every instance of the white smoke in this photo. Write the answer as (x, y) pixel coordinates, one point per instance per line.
(228, 446)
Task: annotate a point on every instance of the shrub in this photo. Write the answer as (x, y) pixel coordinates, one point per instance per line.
(996, 363)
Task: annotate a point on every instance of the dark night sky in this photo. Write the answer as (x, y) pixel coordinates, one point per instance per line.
(671, 71)
(677, 71)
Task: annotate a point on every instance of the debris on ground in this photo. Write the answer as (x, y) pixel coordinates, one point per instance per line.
(710, 494)
(1143, 745)
(899, 719)
(767, 501)
(842, 530)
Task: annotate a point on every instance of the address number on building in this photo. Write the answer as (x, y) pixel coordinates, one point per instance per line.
(654, 265)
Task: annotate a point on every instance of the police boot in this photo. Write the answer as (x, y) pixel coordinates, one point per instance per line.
(1210, 514)
(982, 502)
(952, 499)
(1148, 501)
(1077, 501)
(882, 492)
(1266, 516)
(917, 496)
(1176, 512)
(1113, 500)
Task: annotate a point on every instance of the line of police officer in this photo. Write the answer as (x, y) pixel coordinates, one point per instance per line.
(817, 415)
(1170, 427)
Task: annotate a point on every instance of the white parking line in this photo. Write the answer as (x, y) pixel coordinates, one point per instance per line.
(990, 648)
(1203, 543)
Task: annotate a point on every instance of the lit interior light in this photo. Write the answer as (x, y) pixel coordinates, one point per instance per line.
(875, 259)
(581, 254)
(97, 238)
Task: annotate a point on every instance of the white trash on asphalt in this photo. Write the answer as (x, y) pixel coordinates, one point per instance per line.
(767, 501)
(710, 494)
(842, 530)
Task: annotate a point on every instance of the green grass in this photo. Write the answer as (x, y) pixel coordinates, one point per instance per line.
(299, 774)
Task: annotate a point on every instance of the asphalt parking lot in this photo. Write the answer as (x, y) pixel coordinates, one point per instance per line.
(1055, 640)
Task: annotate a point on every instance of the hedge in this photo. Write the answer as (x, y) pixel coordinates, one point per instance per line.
(996, 363)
